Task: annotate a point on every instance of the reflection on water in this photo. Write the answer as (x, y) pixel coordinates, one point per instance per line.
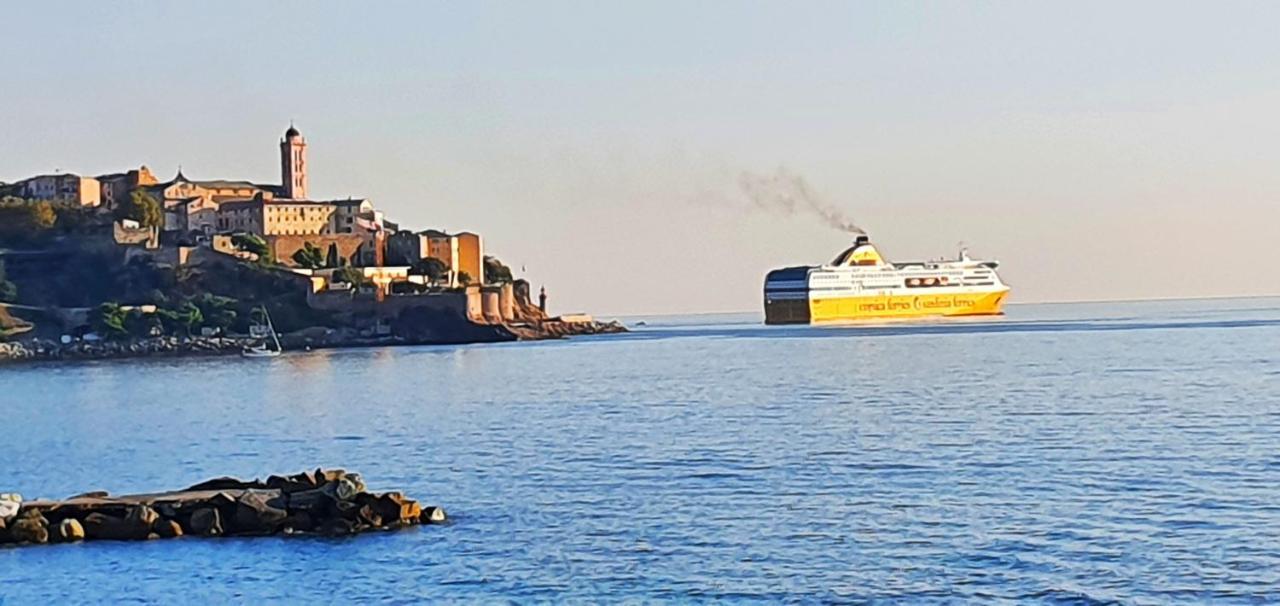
(1061, 453)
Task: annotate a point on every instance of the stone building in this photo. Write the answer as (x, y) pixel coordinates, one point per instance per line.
(196, 209)
(116, 187)
(470, 259)
(283, 215)
(293, 164)
(406, 247)
(85, 191)
(192, 205)
(220, 205)
(266, 216)
(461, 253)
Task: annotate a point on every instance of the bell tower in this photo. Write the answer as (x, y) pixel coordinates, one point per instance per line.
(293, 164)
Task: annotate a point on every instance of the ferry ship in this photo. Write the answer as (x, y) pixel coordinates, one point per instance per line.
(861, 285)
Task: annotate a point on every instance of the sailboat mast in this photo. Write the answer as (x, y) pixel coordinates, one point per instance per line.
(272, 327)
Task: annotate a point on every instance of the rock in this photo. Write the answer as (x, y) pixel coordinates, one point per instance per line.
(134, 526)
(97, 494)
(317, 501)
(369, 515)
(10, 505)
(170, 511)
(225, 483)
(311, 333)
(348, 487)
(143, 514)
(392, 507)
(410, 511)
(30, 527)
(205, 522)
(433, 515)
(298, 522)
(69, 530)
(332, 502)
(333, 475)
(338, 527)
(254, 514)
(166, 529)
(295, 483)
(347, 509)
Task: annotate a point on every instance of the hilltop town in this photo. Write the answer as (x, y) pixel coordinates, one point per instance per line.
(183, 264)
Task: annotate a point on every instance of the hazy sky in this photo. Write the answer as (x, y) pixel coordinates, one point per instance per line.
(1099, 150)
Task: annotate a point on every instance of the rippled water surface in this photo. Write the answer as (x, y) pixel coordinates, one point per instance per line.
(1074, 453)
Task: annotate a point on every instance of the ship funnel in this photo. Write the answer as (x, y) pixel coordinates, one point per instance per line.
(861, 253)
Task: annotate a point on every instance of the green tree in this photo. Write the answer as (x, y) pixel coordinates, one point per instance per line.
(351, 275)
(41, 216)
(141, 325)
(309, 256)
(252, 243)
(72, 217)
(495, 271)
(170, 321)
(434, 269)
(464, 278)
(215, 312)
(331, 258)
(191, 317)
(184, 319)
(23, 222)
(407, 288)
(143, 208)
(108, 320)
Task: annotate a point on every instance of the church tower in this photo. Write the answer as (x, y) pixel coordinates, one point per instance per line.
(293, 164)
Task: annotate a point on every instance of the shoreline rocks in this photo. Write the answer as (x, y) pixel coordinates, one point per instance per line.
(42, 350)
(324, 502)
(557, 329)
(45, 349)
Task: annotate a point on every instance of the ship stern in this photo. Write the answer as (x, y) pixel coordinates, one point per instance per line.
(786, 296)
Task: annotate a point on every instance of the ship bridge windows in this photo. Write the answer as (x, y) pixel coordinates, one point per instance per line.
(979, 278)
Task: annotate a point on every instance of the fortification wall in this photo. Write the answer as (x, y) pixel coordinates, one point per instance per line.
(453, 303)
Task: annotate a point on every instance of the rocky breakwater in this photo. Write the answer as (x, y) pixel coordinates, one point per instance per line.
(331, 502)
(531, 323)
(562, 327)
(44, 349)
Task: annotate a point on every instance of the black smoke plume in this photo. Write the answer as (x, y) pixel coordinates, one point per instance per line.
(789, 194)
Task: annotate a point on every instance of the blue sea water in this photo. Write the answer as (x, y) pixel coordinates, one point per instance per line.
(1091, 453)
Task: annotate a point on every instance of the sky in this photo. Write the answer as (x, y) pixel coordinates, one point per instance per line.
(1099, 150)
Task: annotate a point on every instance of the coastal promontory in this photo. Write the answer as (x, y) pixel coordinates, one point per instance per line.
(124, 265)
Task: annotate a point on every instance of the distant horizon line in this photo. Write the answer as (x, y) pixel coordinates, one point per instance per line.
(1010, 304)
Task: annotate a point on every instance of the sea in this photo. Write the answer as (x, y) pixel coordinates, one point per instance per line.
(1075, 454)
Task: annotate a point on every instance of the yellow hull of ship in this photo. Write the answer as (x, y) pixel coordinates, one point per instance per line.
(874, 307)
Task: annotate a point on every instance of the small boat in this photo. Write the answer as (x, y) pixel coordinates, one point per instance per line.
(264, 349)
